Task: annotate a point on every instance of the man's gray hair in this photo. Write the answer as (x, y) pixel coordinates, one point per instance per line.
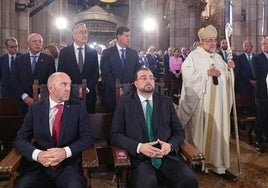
(78, 25)
(10, 39)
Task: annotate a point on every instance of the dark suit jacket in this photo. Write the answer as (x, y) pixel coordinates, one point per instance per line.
(111, 69)
(75, 131)
(90, 72)
(260, 67)
(23, 77)
(166, 65)
(234, 56)
(143, 61)
(183, 57)
(244, 74)
(129, 126)
(152, 63)
(7, 89)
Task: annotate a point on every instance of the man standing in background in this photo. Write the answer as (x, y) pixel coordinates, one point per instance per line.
(118, 62)
(260, 67)
(80, 61)
(183, 53)
(245, 80)
(6, 67)
(28, 67)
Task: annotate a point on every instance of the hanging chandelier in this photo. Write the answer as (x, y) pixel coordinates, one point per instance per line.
(107, 3)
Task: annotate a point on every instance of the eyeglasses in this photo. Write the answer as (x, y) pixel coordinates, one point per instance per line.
(144, 79)
(13, 46)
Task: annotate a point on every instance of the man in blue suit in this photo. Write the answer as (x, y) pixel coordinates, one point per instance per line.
(245, 80)
(28, 67)
(60, 129)
(260, 67)
(6, 67)
(80, 61)
(147, 126)
(118, 62)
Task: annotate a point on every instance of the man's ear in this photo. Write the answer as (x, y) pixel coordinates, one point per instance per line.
(135, 83)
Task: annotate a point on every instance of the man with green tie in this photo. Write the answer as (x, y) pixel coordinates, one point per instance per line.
(147, 126)
(245, 80)
(223, 51)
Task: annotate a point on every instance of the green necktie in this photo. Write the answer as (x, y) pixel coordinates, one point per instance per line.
(225, 56)
(156, 162)
(249, 59)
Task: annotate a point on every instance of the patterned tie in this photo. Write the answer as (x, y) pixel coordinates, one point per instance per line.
(80, 59)
(34, 57)
(11, 63)
(156, 162)
(122, 57)
(57, 124)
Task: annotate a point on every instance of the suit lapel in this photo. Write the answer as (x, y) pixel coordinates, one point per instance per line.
(87, 58)
(128, 59)
(156, 114)
(139, 111)
(38, 64)
(45, 118)
(265, 62)
(65, 118)
(6, 64)
(28, 64)
(116, 57)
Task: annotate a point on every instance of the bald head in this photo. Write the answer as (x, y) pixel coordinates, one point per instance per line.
(59, 87)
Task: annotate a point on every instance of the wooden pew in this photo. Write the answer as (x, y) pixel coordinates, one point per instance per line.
(246, 114)
(8, 107)
(9, 125)
(106, 154)
(92, 158)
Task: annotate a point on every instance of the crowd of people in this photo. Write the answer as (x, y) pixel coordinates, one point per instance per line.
(204, 78)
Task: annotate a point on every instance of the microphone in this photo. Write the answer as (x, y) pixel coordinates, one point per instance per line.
(215, 79)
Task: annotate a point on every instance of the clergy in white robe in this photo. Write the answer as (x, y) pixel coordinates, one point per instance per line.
(205, 106)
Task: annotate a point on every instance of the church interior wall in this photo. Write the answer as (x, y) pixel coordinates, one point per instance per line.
(178, 21)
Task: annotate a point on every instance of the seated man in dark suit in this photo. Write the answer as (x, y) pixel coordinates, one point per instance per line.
(61, 131)
(146, 125)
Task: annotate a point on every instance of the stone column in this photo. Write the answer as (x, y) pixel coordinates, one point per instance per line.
(135, 25)
(262, 19)
(138, 11)
(13, 24)
(22, 27)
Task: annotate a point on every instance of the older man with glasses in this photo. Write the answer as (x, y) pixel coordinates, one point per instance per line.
(206, 102)
(6, 67)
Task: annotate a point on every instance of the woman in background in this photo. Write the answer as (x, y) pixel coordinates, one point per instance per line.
(53, 51)
(175, 63)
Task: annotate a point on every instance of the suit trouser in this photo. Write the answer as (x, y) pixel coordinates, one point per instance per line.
(174, 172)
(262, 119)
